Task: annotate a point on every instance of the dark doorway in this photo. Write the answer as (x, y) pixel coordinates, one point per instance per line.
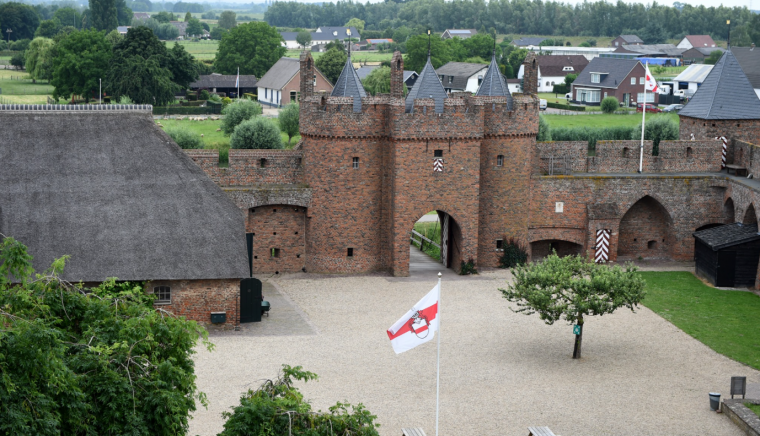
(250, 300)
(726, 269)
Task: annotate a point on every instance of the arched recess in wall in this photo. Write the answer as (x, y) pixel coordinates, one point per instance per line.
(541, 249)
(749, 216)
(437, 235)
(646, 231)
(728, 211)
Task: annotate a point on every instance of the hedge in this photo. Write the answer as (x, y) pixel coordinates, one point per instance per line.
(592, 134)
(186, 110)
(566, 107)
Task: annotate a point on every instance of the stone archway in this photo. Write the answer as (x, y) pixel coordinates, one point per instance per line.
(646, 231)
(439, 237)
(750, 217)
(728, 211)
(541, 249)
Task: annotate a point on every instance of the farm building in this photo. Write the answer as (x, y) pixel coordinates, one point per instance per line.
(727, 255)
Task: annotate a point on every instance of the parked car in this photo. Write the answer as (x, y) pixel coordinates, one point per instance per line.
(673, 108)
(542, 104)
(650, 108)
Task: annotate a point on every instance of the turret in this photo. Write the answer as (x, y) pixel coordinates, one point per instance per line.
(530, 74)
(397, 75)
(307, 75)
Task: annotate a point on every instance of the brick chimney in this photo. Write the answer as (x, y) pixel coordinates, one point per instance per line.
(307, 75)
(530, 74)
(397, 75)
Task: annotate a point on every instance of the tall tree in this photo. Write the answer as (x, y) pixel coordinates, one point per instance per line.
(331, 64)
(47, 29)
(38, 59)
(188, 16)
(183, 66)
(289, 118)
(254, 47)
(227, 20)
(194, 27)
(572, 288)
(355, 22)
(417, 52)
(81, 59)
(303, 38)
(21, 19)
(104, 15)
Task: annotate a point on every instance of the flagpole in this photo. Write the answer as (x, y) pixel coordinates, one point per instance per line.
(438, 372)
(237, 83)
(643, 119)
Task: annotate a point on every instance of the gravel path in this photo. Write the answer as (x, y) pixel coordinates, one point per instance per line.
(500, 371)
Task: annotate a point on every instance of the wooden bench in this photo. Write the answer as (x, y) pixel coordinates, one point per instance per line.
(739, 171)
(540, 431)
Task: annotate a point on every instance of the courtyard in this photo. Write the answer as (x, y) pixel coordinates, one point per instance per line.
(500, 371)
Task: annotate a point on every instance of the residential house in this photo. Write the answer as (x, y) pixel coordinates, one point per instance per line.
(226, 84)
(181, 27)
(690, 41)
(692, 77)
(322, 35)
(110, 189)
(514, 85)
(281, 84)
(698, 54)
(609, 77)
(588, 52)
(458, 33)
(461, 76)
(409, 76)
(123, 29)
(652, 50)
(140, 15)
(626, 40)
(552, 69)
(749, 60)
(528, 43)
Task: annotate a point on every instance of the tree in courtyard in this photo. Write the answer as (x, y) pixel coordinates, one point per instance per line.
(104, 15)
(254, 47)
(288, 119)
(227, 20)
(256, 133)
(237, 112)
(278, 407)
(82, 361)
(81, 59)
(331, 64)
(417, 52)
(20, 18)
(38, 59)
(303, 38)
(572, 288)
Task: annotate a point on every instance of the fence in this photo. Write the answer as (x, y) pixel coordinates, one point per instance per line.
(422, 239)
(557, 166)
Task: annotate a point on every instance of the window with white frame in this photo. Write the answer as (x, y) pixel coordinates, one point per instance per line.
(589, 95)
(596, 77)
(163, 294)
(641, 80)
(356, 163)
(650, 97)
(633, 80)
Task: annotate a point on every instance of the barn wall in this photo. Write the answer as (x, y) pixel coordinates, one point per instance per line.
(196, 299)
(706, 261)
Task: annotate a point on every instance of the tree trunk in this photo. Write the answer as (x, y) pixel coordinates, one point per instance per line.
(578, 339)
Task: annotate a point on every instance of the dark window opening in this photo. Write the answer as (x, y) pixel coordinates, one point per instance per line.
(438, 153)
(356, 163)
(274, 210)
(688, 151)
(499, 244)
(651, 245)
(163, 294)
(296, 233)
(298, 256)
(274, 233)
(275, 252)
(255, 257)
(626, 151)
(500, 160)
(263, 163)
(298, 162)
(350, 252)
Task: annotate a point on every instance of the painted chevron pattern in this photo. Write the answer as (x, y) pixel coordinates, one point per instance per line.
(438, 164)
(602, 246)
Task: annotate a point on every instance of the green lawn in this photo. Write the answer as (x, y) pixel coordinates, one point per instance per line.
(726, 321)
(357, 56)
(600, 120)
(22, 91)
(200, 49)
(753, 407)
(431, 231)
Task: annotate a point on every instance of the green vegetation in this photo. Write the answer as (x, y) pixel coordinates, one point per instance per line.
(725, 321)
(602, 120)
(204, 50)
(432, 231)
(753, 407)
(18, 88)
(238, 111)
(257, 133)
(609, 105)
(514, 254)
(331, 64)
(253, 47)
(356, 56)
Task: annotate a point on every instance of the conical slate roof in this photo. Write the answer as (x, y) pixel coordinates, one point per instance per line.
(726, 94)
(349, 85)
(493, 84)
(427, 86)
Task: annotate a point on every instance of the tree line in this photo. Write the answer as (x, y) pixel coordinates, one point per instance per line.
(654, 23)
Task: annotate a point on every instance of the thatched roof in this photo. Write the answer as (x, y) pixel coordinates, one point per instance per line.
(112, 190)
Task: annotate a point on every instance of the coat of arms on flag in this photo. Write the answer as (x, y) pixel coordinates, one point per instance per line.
(418, 325)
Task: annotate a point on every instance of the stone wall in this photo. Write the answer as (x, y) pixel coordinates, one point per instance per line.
(196, 299)
(279, 238)
(251, 167)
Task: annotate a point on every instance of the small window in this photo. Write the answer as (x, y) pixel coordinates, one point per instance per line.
(315, 80)
(500, 244)
(596, 77)
(500, 160)
(275, 252)
(163, 294)
(689, 152)
(263, 163)
(652, 245)
(266, 93)
(633, 80)
(299, 162)
(438, 153)
(605, 95)
(350, 252)
(356, 163)
(641, 80)
(451, 79)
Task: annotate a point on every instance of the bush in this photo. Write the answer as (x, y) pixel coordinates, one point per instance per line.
(185, 139)
(18, 60)
(544, 131)
(610, 105)
(560, 88)
(467, 268)
(514, 254)
(124, 99)
(226, 101)
(203, 95)
(657, 128)
(215, 98)
(256, 133)
(20, 45)
(592, 134)
(237, 112)
(191, 96)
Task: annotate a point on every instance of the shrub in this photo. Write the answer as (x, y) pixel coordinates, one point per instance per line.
(184, 138)
(215, 98)
(18, 60)
(657, 128)
(560, 88)
(610, 105)
(467, 268)
(288, 119)
(256, 133)
(514, 254)
(203, 95)
(191, 96)
(544, 131)
(124, 99)
(592, 134)
(20, 45)
(226, 101)
(237, 112)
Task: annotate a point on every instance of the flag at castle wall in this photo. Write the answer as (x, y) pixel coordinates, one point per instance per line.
(418, 325)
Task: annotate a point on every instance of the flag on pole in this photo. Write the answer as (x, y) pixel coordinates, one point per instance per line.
(418, 325)
(237, 79)
(651, 83)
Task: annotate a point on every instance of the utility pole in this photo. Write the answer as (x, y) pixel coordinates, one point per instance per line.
(100, 92)
(9, 35)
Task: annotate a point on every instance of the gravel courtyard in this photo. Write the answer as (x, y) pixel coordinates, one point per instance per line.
(500, 371)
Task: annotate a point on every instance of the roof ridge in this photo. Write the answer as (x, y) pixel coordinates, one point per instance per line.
(77, 107)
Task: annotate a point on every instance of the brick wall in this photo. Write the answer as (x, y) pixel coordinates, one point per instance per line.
(279, 238)
(251, 167)
(196, 299)
(747, 155)
(745, 130)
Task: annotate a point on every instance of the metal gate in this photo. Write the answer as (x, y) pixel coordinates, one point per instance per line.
(250, 300)
(602, 254)
(445, 241)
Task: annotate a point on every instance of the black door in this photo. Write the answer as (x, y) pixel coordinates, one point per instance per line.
(726, 269)
(250, 300)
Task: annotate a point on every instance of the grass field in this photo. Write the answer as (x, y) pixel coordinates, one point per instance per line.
(753, 407)
(725, 321)
(18, 88)
(601, 120)
(200, 49)
(431, 231)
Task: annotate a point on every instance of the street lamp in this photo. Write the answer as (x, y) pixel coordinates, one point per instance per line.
(9, 35)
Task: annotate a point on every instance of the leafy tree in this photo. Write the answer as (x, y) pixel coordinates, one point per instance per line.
(217, 33)
(417, 52)
(544, 130)
(516, 59)
(205, 26)
(657, 128)
(188, 17)
(303, 38)
(609, 105)
(379, 82)
(560, 88)
(203, 95)
(114, 37)
(47, 29)
(123, 13)
(237, 112)
(20, 18)
(167, 31)
(202, 68)
(480, 45)
(68, 16)
(38, 59)
(227, 20)
(63, 33)
(194, 27)
(335, 44)
(81, 59)
(256, 133)
(182, 65)
(90, 361)
(357, 23)
(569, 79)
(288, 119)
(163, 17)
(210, 15)
(17, 61)
(572, 288)
(104, 14)
(143, 80)
(714, 57)
(278, 407)
(331, 64)
(184, 138)
(254, 47)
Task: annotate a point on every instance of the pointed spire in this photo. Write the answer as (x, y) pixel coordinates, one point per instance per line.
(494, 84)
(349, 84)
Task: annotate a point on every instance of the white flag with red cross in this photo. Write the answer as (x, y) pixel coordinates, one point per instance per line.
(418, 325)
(651, 83)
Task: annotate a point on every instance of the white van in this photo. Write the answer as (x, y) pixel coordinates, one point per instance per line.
(542, 104)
